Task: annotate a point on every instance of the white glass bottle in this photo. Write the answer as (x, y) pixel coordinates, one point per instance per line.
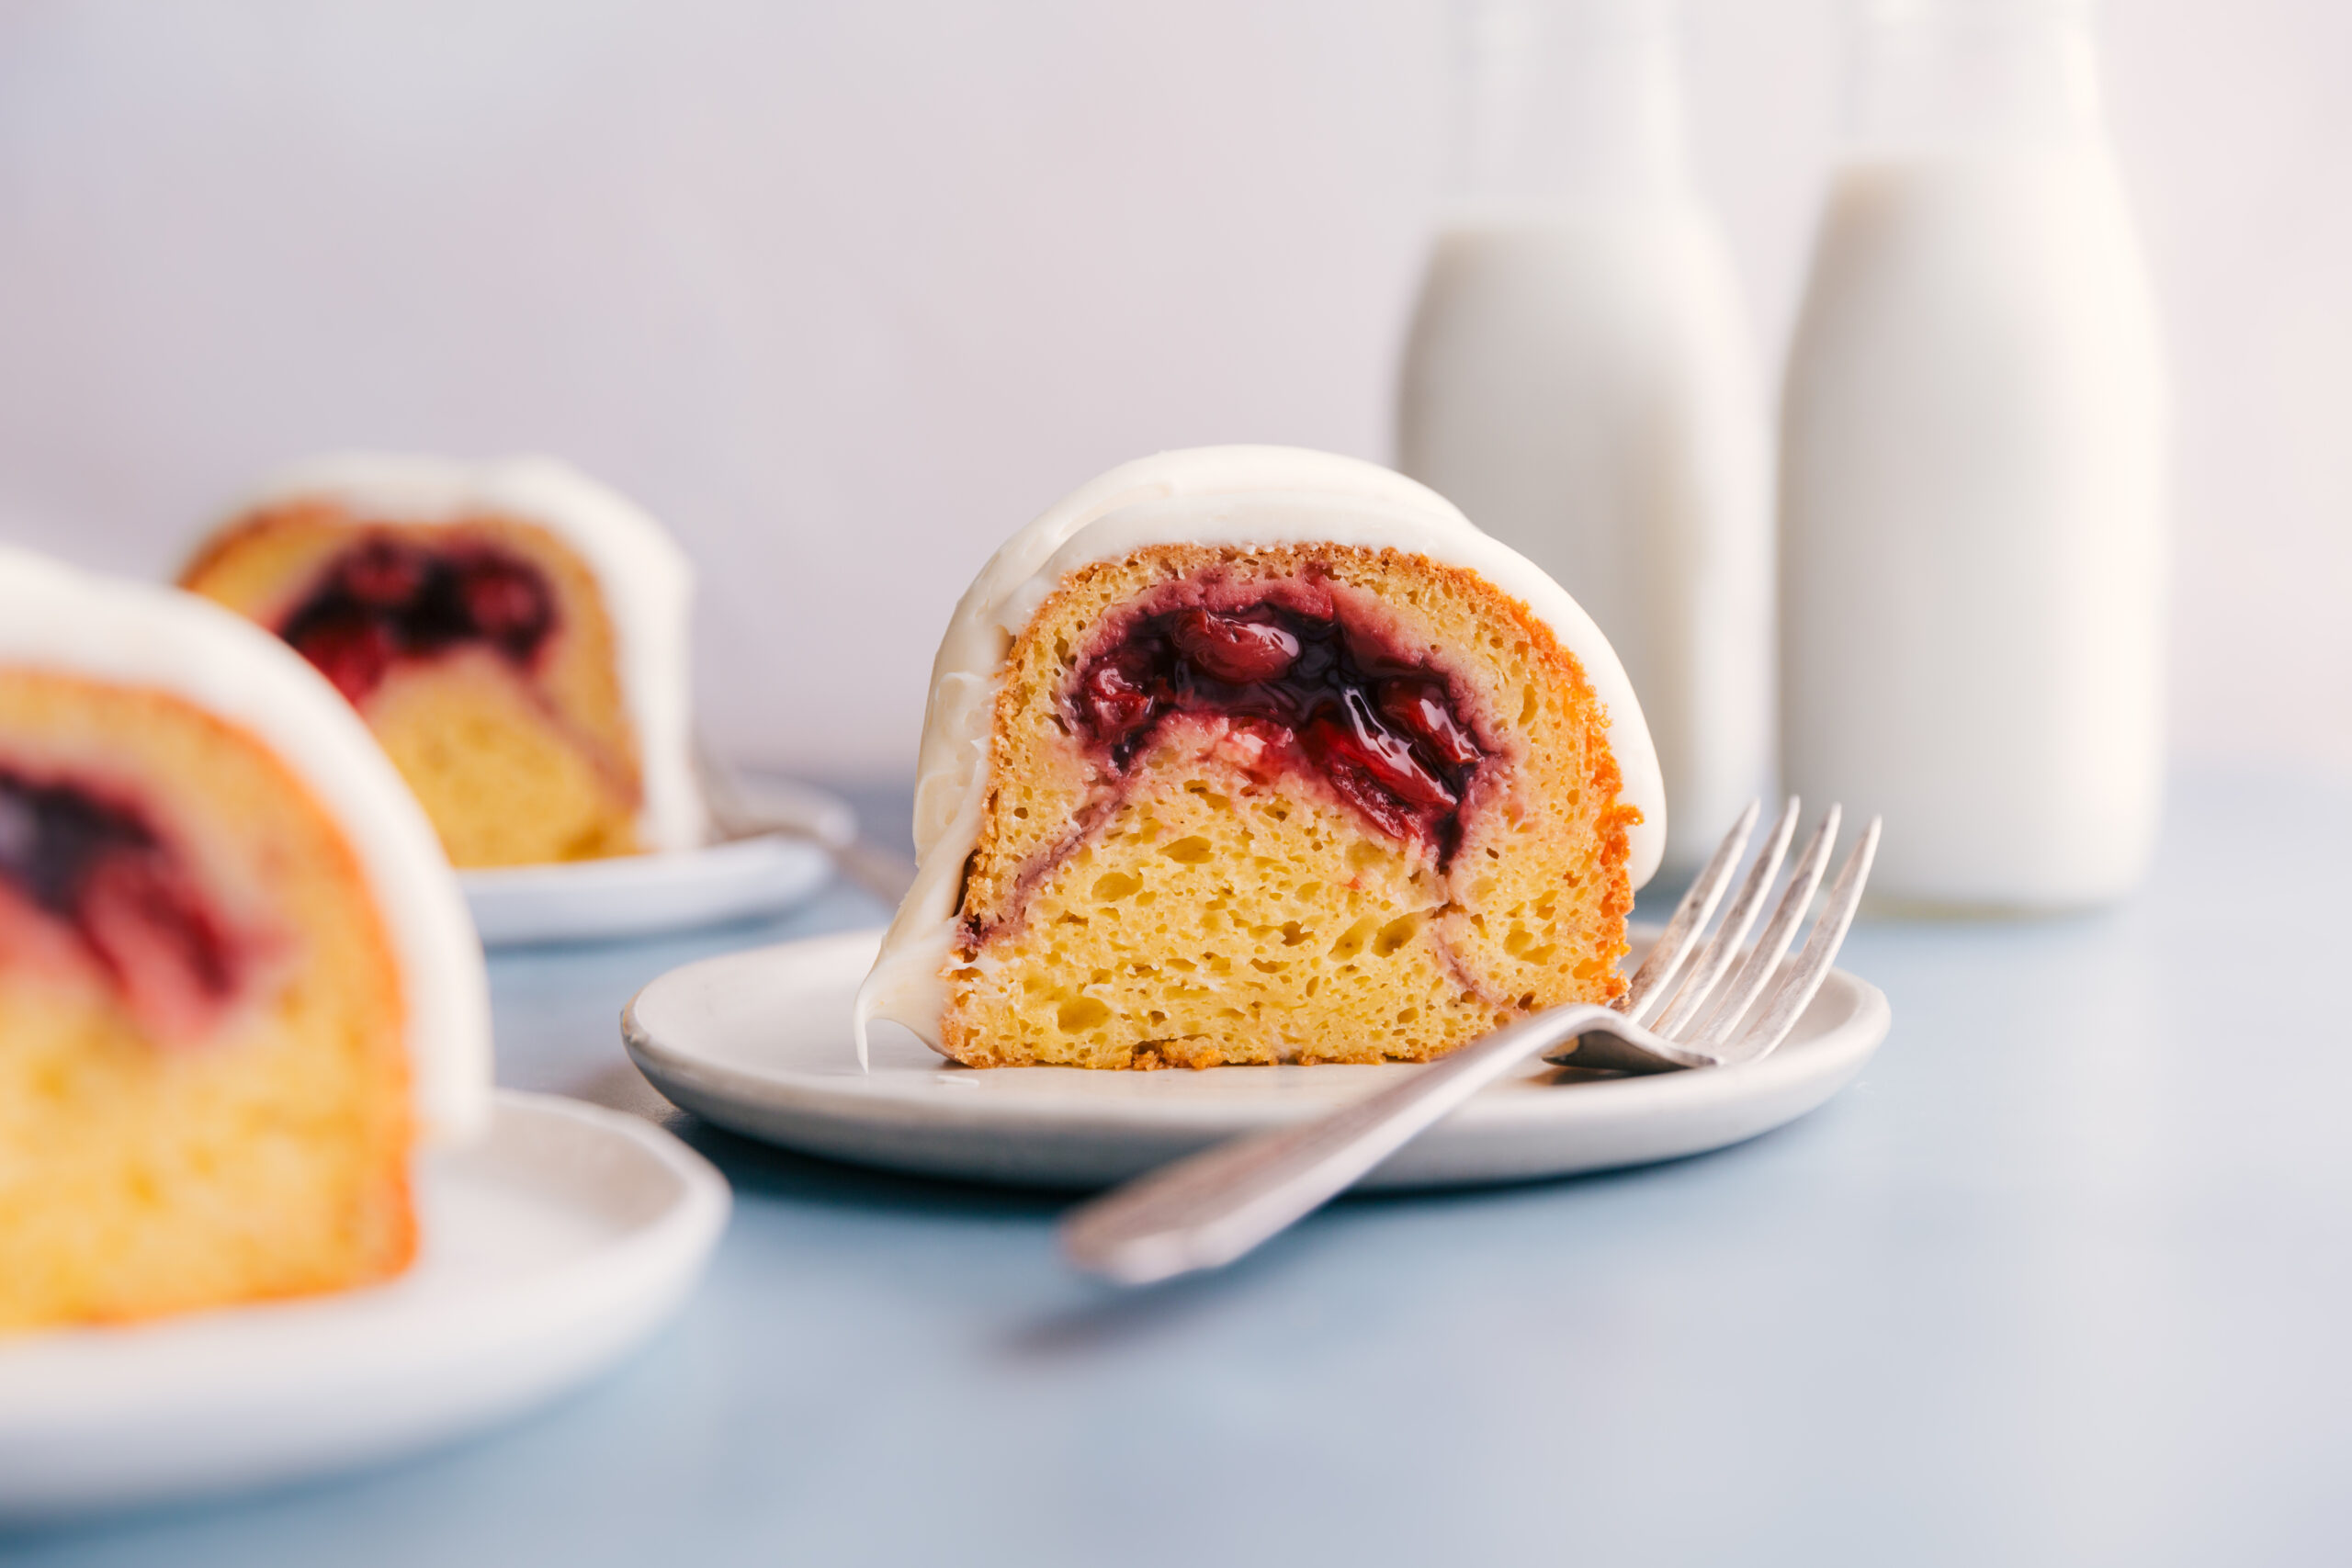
(1581, 381)
(1973, 433)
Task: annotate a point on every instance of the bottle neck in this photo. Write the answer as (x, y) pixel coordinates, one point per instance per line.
(1569, 103)
(1940, 76)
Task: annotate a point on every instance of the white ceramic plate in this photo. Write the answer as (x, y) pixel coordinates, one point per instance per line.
(552, 1247)
(631, 895)
(760, 1043)
(643, 894)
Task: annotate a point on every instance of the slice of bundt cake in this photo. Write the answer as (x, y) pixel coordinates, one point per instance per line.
(237, 979)
(1248, 754)
(513, 633)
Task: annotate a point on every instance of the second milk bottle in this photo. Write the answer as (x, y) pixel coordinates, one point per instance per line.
(1972, 434)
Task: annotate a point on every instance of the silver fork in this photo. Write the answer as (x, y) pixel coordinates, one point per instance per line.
(1208, 1209)
(739, 812)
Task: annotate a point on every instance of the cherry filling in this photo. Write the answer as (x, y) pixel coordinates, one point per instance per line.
(1382, 729)
(385, 599)
(97, 868)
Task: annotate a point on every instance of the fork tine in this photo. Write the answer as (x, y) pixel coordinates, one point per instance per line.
(1783, 1007)
(1722, 1021)
(1673, 944)
(1707, 969)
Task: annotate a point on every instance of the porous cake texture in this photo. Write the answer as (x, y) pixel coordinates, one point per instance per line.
(1255, 788)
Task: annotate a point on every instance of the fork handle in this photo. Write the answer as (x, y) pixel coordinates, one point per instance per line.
(1207, 1210)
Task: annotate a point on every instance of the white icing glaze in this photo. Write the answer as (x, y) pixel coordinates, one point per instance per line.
(55, 617)
(647, 583)
(1241, 496)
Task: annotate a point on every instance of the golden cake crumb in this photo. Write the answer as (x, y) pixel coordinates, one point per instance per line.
(1203, 901)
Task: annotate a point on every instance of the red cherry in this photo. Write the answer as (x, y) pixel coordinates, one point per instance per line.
(1343, 764)
(1420, 708)
(505, 601)
(351, 650)
(1390, 758)
(1229, 649)
(1116, 704)
(384, 574)
(153, 935)
(1376, 771)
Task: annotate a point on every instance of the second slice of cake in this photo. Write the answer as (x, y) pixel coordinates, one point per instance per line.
(1249, 755)
(514, 634)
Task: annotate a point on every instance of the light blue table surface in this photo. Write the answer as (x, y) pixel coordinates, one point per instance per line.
(2065, 1277)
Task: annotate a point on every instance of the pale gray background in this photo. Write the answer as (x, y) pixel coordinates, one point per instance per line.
(846, 292)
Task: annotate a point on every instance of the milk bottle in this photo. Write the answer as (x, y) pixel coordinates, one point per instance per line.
(1972, 445)
(1580, 380)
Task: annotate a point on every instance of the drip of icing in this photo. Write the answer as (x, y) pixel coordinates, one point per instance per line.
(1242, 497)
(53, 617)
(646, 581)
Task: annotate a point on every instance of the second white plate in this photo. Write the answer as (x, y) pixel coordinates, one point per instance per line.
(760, 1043)
(552, 1247)
(642, 894)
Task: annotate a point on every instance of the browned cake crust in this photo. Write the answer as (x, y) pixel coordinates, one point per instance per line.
(1209, 899)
